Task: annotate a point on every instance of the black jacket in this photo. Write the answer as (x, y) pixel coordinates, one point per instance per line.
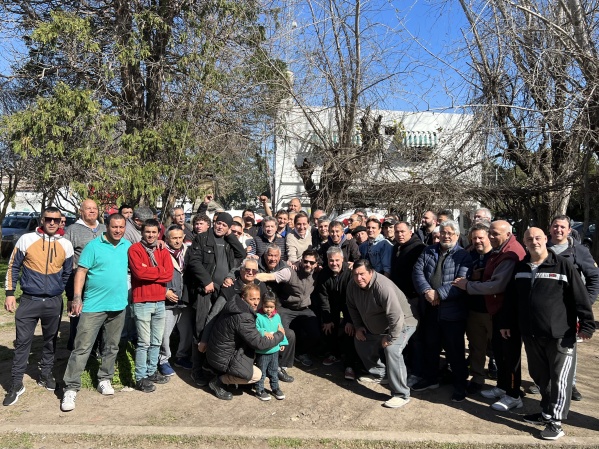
(580, 256)
(351, 252)
(234, 338)
(402, 263)
(550, 305)
(201, 259)
(330, 294)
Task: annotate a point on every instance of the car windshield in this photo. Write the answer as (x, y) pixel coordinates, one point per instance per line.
(15, 222)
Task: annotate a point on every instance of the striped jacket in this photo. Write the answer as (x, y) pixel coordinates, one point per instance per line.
(45, 263)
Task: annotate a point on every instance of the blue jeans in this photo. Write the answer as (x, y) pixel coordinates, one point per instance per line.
(149, 321)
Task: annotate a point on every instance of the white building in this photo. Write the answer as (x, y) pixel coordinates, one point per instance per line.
(417, 145)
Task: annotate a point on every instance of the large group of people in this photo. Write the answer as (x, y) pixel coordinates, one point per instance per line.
(380, 299)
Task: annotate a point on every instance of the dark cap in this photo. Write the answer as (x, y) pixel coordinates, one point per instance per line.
(225, 218)
(358, 229)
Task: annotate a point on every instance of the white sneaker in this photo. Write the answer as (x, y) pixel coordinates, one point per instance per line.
(507, 403)
(68, 401)
(105, 388)
(493, 393)
(396, 402)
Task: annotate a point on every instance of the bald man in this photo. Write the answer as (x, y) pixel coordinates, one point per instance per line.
(544, 301)
(294, 205)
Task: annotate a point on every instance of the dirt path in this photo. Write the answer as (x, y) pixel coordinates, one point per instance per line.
(321, 409)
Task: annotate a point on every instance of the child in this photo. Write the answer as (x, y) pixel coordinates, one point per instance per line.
(268, 321)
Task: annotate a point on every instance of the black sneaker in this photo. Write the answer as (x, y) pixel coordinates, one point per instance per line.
(262, 395)
(145, 385)
(278, 394)
(552, 431)
(13, 394)
(284, 377)
(47, 381)
(536, 418)
(474, 388)
(199, 378)
(158, 378)
(458, 397)
(424, 385)
(219, 389)
(576, 396)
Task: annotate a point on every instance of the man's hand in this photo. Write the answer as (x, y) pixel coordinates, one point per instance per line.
(327, 328)
(209, 288)
(505, 333)
(269, 335)
(161, 244)
(282, 348)
(76, 305)
(171, 296)
(585, 337)
(202, 347)
(385, 342)
(281, 330)
(228, 282)
(361, 334)
(349, 329)
(460, 283)
(208, 198)
(432, 297)
(263, 199)
(348, 236)
(10, 304)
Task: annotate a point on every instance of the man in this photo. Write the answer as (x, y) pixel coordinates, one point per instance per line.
(200, 223)
(361, 213)
(388, 230)
(427, 224)
(353, 222)
(126, 211)
(294, 289)
(101, 280)
(479, 327)
(177, 310)
(337, 327)
(151, 269)
(63, 222)
(563, 244)
(378, 250)
(316, 216)
(545, 299)
(382, 318)
(282, 224)
(445, 311)
(337, 238)
(249, 222)
(483, 214)
(295, 205)
(178, 218)
(406, 250)
(299, 239)
(44, 261)
(246, 240)
(135, 223)
(211, 261)
(320, 235)
(507, 252)
(80, 234)
(268, 236)
(361, 235)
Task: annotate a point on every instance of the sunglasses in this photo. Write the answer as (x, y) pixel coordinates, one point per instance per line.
(250, 270)
(311, 262)
(52, 220)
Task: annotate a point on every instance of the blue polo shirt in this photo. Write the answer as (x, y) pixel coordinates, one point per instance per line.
(106, 283)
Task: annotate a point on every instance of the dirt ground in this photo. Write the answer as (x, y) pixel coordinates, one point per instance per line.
(322, 409)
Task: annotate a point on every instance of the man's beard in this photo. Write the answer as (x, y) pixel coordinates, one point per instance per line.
(447, 245)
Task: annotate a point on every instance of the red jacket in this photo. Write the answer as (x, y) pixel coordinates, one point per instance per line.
(147, 282)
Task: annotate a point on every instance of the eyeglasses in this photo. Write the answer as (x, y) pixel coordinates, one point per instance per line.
(446, 234)
(250, 270)
(311, 262)
(52, 220)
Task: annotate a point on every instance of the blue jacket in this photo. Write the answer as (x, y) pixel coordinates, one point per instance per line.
(379, 253)
(453, 305)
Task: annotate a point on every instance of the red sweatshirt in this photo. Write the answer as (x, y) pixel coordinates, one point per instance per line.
(147, 282)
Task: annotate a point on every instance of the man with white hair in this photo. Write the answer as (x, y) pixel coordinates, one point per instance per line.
(482, 215)
(445, 308)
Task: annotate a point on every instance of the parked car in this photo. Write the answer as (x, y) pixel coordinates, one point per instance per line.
(13, 227)
(587, 239)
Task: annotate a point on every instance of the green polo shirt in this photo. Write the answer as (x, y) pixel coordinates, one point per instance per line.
(106, 283)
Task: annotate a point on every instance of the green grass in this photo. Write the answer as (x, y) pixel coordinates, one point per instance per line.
(124, 374)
